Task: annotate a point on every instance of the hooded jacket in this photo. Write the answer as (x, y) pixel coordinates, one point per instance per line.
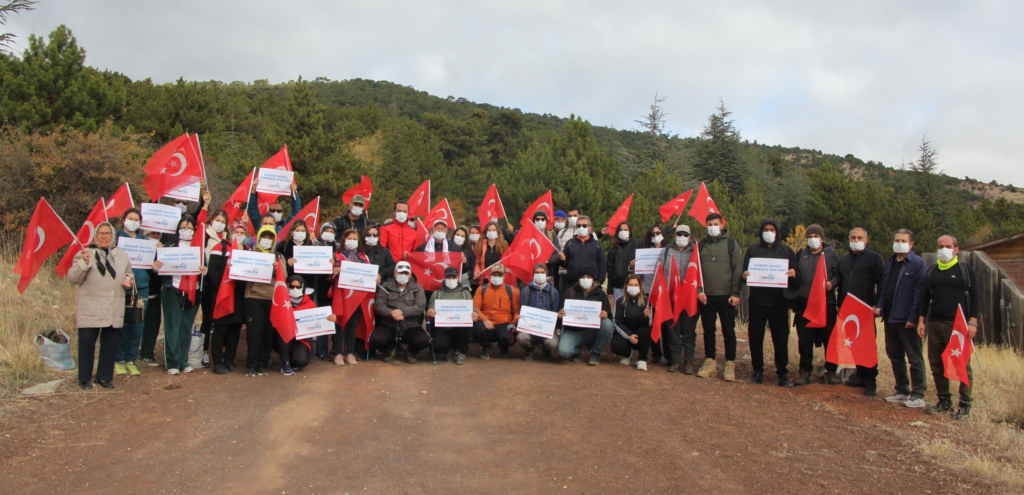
(769, 296)
(618, 258)
(335, 245)
(721, 264)
(259, 290)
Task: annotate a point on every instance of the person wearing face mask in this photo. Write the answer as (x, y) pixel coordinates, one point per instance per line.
(226, 331)
(574, 338)
(130, 336)
(298, 235)
(632, 324)
(562, 233)
(654, 238)
(860, 272)
(275, 210)
(900, 300)
(452, 341)
(439, 242)
(295, 354)
(769, 306)
(680, 338)
(153, 315)
(179, 311)
(582, 251)
(216, 233)
(344, 339)
(809, 337)
(400, 236)
(400, 306)
(488, 251)
(102, 272)
(540, 294)
(379, 255)
(950, 284)
(355, 218)
(194, 209)
(468, 256)
(621, 257)
(259, 297)
(721, 265)
(498, 304)
(322, 283)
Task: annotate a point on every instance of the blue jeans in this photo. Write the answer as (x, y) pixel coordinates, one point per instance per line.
(594, 338)
(130, 336)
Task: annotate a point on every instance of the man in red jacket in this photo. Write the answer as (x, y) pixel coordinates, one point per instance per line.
(399, 236)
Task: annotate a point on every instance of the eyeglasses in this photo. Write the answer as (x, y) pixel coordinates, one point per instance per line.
(294, 286)
(584, 225)
(277, 211)
(682, 234)
(372, 235)
(656, 232)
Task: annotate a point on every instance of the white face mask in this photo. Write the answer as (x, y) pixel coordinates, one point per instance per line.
(496, 280)
(218, 227)
(357, 210)
(901, 247)
(540, 279)
(327, 236)
(185, 234)
(266, 244)
(768, 237)
(277, 216)
(181, 206)
(402, 278)
(295, 293)
(586, 283)
(582, 231)
(945, 255)
(813, 242)
(351, 244)
(541, 224)
(682, 241)
(439, 236)
(371, 241)
(632, 290)
(856, 246)
(492, 235)
(298, 236)
(451, 283)
(239, 238)
(714, 230)
(131, 225)
(401, 216)
(624, 235)
(458, 240)
(657, 239)
(559, 225)
(572, 221)
(474, 238)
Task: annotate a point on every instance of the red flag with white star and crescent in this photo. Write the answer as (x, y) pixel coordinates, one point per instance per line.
(543, 203)
(853, 338)
(958, 351)
(45, 235)
(703, 206)
(171, 167)
(120, 201)
(429, 267)
(529, 247)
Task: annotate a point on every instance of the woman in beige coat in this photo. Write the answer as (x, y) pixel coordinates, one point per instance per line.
(101, 272)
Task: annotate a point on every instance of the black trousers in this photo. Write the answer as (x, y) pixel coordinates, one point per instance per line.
(259, 334)
(719, 307)
(809, 338)
(294, 353)
(87, 351)
(454, 338)
(903, 347)
(679, 340)
(622, 347)
(344, 339)
(777, 318)
(383, 338)
(500, 334)
(224, 343)
(206, 303)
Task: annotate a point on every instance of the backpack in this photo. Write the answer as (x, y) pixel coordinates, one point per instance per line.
(731, 242)
(963, 275)
(524, 295)
(508, 290)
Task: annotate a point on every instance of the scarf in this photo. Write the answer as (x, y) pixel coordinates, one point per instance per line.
(429, 248)
(352, 255)
(951, 264)
(103, 261)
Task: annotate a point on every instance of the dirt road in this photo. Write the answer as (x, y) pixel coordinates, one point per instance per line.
(497, 426)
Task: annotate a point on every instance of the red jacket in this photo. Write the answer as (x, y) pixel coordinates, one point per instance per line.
(399, 238)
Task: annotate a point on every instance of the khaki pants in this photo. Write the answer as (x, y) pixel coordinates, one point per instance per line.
(939, 333)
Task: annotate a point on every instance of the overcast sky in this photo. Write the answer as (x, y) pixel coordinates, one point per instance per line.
(869, 78)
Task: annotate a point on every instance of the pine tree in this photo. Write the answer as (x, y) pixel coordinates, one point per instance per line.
(718, 154)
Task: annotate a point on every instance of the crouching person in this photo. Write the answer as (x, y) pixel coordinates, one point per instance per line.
(541, 295)
(400, 307)
(573, 338)
(632, 324)
(295, 353)
(498, 304)
(452, 341)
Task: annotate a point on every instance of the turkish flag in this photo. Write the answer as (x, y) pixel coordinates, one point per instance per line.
(188, 283)
(419, 202)
(368, 321)
(490, 208)
(194, 138)
(311, 215)
(674, 207)
(817, 311)
(853, 338)
(691, 283)
(46, 234)
(171, 167)
(676, 290)
(958, 351)
(85, 236)
(544, 202)
(225, 303)
(429, 267)
(345, 302)
(120, 201)
(233, 206)
(281, 314)
(364, 188)
(621, 215)
(280, 161)
(703, 206)
(440, 212)
(529, 247)
(661, 302)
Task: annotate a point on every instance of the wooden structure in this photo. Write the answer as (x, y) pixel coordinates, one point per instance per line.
(1000, 267)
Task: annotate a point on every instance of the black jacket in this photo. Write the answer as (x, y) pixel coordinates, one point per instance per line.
(385, 263)
(946, 289)
(579, 254)
(806, 264)
(768, 296)
(859, 274)
(618, 258)
(596, 294)
(343, 223)
(629, 316)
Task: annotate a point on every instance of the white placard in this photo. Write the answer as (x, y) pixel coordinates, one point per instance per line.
(141, 252)
(313, 259)
(646, 260)
(251, 266)
(358, 276)
(187, 192)
(768, 272)
(275, 181)
(537, 322)
(580, 313)
(453, 313)
(180, 260)
(160, 218)
(313, 322)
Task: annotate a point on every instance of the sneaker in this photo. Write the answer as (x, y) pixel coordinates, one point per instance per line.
(528, 354)
(206, 360)
(730, 371)
(187, 369)
(709, 370)
(672, 368)
(220, 369)
(625, 361)
(149, 362)
(286, 369)
(132, 369)
(898, 398)
(173, 371)
(485, 352)
(577, 358)
(641, 365)
(390, 356)
(688, 368)
(119, 369)
(942, 407)
(915, 403)
(655, 359)
(963, 411)
(756, 379)
(460, 358)
(262, 371)
(595, 359)
(411, 358)
(250, 372)
(351, 359)
(339, 360)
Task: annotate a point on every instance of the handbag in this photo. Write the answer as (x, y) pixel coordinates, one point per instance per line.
(134, 307)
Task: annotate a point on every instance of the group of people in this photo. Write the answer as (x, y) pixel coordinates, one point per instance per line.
(913, 299)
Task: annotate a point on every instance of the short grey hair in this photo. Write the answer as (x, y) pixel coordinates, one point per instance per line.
(859, 228)
(583, 217)
(904, 231)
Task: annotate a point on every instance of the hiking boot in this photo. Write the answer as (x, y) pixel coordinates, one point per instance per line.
(528, 354)
(688, 368)
(942, 407)
(756, 379)
(286, 369)
(410, 358)
(149, 362)
(460, 358)
(595, 359)
(805, 379)
(220, 369)
(963, 411)
(730, 371)
(390, 356)
(709, 369)
(830, 378)
(576, 358)
(132, 369)
(918, 403)
(485, 352)
(674, 369)
(897, 398)
(250, 372)
(641, 365)
(624, 361)
(119, 369)
(784, 381)
(855, 381)
(870, 388)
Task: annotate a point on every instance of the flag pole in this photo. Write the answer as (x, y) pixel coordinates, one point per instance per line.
(128, 187)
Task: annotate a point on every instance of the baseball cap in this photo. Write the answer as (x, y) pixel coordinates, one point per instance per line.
(403, 267)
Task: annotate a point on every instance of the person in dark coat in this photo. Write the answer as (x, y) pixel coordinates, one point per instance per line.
(583, 251)
(860, 272)
(227, 329)
(355, 218)
(808, 338)
(632, 324)
(620, 257)
(768, 305)
(378, 254)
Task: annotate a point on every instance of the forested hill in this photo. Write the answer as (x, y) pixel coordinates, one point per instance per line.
(74, 132)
